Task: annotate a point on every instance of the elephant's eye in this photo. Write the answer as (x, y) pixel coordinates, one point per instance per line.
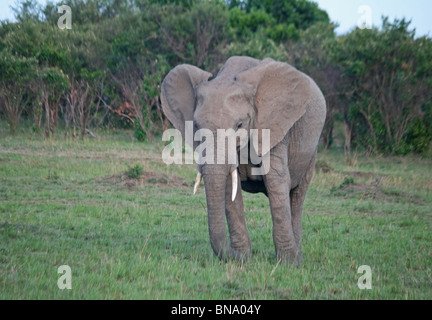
(239, 125)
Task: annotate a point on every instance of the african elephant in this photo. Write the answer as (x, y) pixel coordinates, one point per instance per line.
(252, 94)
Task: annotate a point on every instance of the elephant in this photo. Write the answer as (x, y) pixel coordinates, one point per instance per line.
(248, 93)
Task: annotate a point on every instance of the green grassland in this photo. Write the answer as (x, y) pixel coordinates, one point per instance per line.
(144, 236)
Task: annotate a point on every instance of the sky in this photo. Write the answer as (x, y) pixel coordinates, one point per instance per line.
(344, 12)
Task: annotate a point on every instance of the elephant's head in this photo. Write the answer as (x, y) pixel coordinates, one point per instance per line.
(247, 94)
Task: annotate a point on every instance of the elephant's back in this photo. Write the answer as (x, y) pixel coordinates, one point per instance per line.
(236, 65)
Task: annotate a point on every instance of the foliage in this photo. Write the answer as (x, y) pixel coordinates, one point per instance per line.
(27, 10)
(135, 171)
(193, 35)
(139, 133)
(387, 81)
(300, 14)
(377, 82)
(16, 85)
(245, 24)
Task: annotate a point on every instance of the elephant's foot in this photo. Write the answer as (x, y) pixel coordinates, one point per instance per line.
(244, 256)
(245, 253)
(290, 257)
(237, 254)
(241, 245)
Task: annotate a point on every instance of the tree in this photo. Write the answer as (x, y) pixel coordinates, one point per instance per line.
(26, 10)
(78, 106)
(139, 89)
(302, 13)
(387, 85)
(16, 82)
(196, 35)
(292, 14)
(53, 84)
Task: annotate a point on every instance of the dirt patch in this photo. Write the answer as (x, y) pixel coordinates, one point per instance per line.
(360, 174)
(147, 178)
(322, 166)
(366, 185)
(373, 191)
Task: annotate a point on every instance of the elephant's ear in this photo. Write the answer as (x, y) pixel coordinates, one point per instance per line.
(281, 94)
(178, 94)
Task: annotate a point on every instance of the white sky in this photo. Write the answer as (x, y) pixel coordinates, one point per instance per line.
(345, 12)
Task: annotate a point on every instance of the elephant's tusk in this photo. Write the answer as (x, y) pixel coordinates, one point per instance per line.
(197, 182)
(234, 179)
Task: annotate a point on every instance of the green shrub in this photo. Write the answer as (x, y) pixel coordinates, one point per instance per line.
(139, 133)
(135, 172)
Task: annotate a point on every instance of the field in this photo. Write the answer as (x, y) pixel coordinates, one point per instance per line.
(128, 234)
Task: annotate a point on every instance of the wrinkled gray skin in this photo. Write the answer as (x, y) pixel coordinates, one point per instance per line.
(260, 94)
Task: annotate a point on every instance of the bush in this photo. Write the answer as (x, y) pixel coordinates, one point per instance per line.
(139, 133)
(135, 172)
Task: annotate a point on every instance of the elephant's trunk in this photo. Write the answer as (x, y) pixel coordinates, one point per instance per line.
(216, 178)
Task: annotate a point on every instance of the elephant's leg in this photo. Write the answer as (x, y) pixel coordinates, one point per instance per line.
(297, 198)
(277, 182)
(239, 235)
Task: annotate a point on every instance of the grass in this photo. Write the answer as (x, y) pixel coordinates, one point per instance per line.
(71, 202)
